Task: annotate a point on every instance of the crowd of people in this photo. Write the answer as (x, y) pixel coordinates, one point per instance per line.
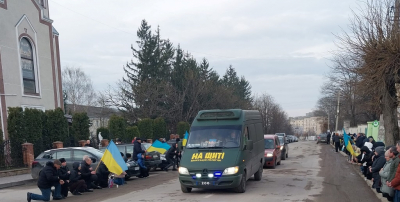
(82, 177)
(378, 163)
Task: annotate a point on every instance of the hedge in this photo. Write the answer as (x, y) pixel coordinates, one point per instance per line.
(146, 128)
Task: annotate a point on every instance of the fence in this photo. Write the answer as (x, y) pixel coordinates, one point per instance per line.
(10, 158)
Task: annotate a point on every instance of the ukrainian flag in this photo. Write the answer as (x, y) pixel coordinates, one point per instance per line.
(113, 160)
(159, 147)
(347, 144)
(184, 141)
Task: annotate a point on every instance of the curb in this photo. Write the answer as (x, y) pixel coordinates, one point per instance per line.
(13, 184)
(369, 182)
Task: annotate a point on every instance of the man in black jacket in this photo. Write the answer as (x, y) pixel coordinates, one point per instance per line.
(169, 155)
(328, 138)
(360, 140)
(88, 174)
(137, 149)
(48, 177)
(76, 183)
(64, 173)
(336, 140)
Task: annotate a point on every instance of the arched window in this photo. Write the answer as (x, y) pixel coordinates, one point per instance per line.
(28, 67)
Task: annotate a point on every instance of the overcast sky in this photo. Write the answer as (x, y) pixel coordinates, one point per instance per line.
(282, 47)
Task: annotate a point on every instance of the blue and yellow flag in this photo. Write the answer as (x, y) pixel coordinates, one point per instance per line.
(159, 147)
(346, 139)
(113, 160)
(184, 141)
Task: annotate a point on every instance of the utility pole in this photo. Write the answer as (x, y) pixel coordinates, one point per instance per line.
(337, 111)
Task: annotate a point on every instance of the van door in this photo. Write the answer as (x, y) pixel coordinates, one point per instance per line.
(254, 153)
(247, 153)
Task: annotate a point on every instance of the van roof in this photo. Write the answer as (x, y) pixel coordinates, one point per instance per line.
(269, 136)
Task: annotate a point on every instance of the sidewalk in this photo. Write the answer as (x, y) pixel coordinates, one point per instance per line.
(369, 182)
(15, 180)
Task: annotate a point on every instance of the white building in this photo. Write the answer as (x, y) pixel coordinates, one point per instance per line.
(30, 73)
(307, 124)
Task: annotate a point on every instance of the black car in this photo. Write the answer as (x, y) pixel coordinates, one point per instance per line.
(75, 154)
(151, 159)
(284, 147)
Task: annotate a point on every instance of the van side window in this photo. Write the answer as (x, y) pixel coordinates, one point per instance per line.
(252, 133)
(246, 133)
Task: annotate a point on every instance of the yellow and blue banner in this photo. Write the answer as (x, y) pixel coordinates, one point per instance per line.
(346, 139)
(113, 160)
(159, 147)
(184, 141)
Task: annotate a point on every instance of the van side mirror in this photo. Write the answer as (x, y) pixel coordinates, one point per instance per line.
(249, 145)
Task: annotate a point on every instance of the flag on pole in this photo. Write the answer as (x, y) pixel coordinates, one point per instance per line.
(113, 160)
(159, 147)
(346, 139)
(184, 141)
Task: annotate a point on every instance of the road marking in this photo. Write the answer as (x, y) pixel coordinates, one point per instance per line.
(208, 196)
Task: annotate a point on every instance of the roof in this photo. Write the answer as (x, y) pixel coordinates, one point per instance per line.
(93, 112)
(55, 31)
(270, 136)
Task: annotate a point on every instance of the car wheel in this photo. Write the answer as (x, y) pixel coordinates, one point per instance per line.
(258, 174)
(186, 189)
(242, 186)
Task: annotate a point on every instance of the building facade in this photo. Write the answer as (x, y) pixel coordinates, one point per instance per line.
(307, 125)
(30, 70)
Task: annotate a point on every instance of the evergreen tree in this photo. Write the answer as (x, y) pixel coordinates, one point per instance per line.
(132, 132)
(105, 133)
(80, 126)
(182, 128)
(159, 128)
(15, 128)
(34, 128)
(146, 128)
(117, 127)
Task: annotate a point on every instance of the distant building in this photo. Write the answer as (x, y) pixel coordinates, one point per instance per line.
(30, 73)
(98, 116)
(309, 124)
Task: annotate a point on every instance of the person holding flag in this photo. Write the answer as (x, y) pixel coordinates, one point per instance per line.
(113, 160)
(347, 144)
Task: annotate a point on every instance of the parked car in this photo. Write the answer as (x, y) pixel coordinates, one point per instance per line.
(322, 138)
(290, 138)
(75, 154)
(272, 153)
(284, 147)
(296, 139)
(151, 160)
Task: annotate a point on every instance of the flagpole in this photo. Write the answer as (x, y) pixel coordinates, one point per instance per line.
(97, 166)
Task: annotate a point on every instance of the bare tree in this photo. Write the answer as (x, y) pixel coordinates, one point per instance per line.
(374, 43)
(78, 87)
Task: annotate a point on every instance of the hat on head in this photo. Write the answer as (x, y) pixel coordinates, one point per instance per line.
(138, 138)
(62, 160)
(178, 139)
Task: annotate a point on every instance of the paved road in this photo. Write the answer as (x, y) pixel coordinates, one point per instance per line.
(311, 173)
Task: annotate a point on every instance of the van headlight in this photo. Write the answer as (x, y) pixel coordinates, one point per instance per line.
(231, 170)
(270, 155)
(183, 171)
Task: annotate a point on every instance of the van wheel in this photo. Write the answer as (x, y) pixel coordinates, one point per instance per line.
(242, 186)
(258, 174)
(186, 189)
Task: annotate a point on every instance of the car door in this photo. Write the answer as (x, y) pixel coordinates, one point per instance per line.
(66, 154)
(78, 157)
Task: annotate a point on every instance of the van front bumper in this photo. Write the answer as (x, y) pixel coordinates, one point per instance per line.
(223, 182)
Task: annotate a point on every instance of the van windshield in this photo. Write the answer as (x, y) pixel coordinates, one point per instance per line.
(214, 136)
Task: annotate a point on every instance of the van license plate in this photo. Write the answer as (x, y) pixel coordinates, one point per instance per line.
(205, 183)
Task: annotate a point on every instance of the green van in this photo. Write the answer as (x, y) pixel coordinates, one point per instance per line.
(224, 149)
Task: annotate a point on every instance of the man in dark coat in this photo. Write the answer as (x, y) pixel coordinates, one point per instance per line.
(102, 174)
(48, 177)
(336, 140)
(88, 174)
(169, 155)
(137, 149)
(64, 173)
(76, 183)
(328, 138)
(377, 165)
